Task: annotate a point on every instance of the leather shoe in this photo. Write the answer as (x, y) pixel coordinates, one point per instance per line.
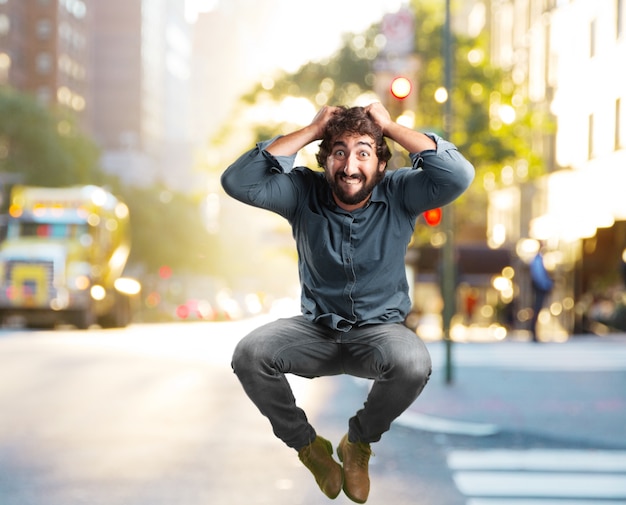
(317, 457)
(355, 458)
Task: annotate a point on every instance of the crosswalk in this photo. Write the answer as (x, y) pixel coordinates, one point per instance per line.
(539, 476)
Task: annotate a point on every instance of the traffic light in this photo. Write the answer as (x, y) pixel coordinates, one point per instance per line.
(433, 216)
(165, 272)
(401, 87)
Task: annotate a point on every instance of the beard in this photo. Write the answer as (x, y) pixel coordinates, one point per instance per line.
(355, 198)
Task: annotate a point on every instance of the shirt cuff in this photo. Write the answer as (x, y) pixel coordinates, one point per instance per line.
(280, 164)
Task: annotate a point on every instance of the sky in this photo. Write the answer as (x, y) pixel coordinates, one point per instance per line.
(270, 35)
(315, 27)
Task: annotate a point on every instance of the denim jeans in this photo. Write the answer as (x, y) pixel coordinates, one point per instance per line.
(390, 354)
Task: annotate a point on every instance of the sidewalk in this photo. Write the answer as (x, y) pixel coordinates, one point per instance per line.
(575, 390)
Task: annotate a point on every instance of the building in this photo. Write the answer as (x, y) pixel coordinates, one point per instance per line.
(564, 56)
(122, 66)
(45, 49)
(141, 80)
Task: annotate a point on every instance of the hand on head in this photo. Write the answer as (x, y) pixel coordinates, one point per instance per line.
(376, 111)
(379, 115)
(321, 119)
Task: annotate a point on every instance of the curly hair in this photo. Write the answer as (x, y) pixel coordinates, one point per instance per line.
(352, 121)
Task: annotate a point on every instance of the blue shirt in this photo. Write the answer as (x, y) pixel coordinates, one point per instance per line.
(351, 264)
(539, 275)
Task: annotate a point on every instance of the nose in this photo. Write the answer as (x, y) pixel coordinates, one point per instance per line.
(351, 166)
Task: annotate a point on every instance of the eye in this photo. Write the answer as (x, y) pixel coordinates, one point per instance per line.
(339, 153)
(364, 154)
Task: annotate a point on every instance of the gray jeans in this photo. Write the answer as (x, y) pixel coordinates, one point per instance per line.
(391, 354)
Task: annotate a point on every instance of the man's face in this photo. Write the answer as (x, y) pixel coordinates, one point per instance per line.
(353, 170)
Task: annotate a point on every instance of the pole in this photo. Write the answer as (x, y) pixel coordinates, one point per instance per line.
(448, 281)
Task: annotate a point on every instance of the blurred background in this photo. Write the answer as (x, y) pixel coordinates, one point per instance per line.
(152, 99)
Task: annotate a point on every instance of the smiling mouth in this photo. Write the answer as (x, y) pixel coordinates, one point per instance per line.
(350, 180)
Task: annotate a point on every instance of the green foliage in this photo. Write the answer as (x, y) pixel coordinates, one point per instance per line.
(42, 146)
(167, 229)
(45, 147)
(479, 93)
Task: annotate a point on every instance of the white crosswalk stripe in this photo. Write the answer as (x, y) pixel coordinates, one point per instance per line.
(540, 476)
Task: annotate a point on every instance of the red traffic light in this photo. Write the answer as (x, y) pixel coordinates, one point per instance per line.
(433, 216)
(401, 87)
(165, 272)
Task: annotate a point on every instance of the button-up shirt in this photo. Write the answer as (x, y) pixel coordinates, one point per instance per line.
(351, 264)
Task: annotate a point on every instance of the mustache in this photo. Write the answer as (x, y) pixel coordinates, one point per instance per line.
(342, 175)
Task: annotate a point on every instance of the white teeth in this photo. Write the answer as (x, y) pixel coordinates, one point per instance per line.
(350, 180)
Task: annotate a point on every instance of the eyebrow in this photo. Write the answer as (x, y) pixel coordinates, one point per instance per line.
(359, 143)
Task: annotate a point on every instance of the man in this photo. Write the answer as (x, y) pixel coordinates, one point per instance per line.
(542, 284)
(352, 225)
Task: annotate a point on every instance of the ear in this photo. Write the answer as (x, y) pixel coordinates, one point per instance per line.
(381, 166)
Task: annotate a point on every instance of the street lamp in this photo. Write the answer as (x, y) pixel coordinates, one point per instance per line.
(448, 271)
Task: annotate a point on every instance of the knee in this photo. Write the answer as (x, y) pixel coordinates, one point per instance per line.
(243, 356)
(414, 365)
(248, 356)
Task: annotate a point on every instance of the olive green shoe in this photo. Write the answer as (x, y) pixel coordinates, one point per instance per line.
(355, 458)
(317, 457)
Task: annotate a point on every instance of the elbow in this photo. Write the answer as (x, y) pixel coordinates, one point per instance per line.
(460, 171)
(225, 181)
(464, 173)
(464, 176)
(467, 174)
(229, 184)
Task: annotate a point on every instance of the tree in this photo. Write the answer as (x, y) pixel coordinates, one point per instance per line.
(43, 146)
(478, 93)
(167, 229)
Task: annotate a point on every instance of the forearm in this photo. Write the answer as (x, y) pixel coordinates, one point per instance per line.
(290, 144)
(411, 140)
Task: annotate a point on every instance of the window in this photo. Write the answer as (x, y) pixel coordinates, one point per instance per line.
(592, 38)
(590, 145)
(618, 124)
(5, 24)
(44, 29)
(43, 63)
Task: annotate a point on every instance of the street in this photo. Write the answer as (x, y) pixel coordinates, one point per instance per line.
(152, 415)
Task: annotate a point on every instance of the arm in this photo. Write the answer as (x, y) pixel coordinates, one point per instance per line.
(257, 177)
(411, 140)
(446, 173)
(291, 143)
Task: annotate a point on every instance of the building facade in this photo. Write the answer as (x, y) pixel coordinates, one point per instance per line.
(564, 55)
(122, 66)
(141, 79)
(45, 50)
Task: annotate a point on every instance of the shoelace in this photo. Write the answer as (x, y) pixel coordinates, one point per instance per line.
(363, 455)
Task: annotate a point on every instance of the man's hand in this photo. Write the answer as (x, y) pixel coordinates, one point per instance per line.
(411, 140)
(379, 115)
(321, 119)
(291, 143)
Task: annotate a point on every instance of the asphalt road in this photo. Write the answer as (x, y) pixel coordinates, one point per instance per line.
(153, 415)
